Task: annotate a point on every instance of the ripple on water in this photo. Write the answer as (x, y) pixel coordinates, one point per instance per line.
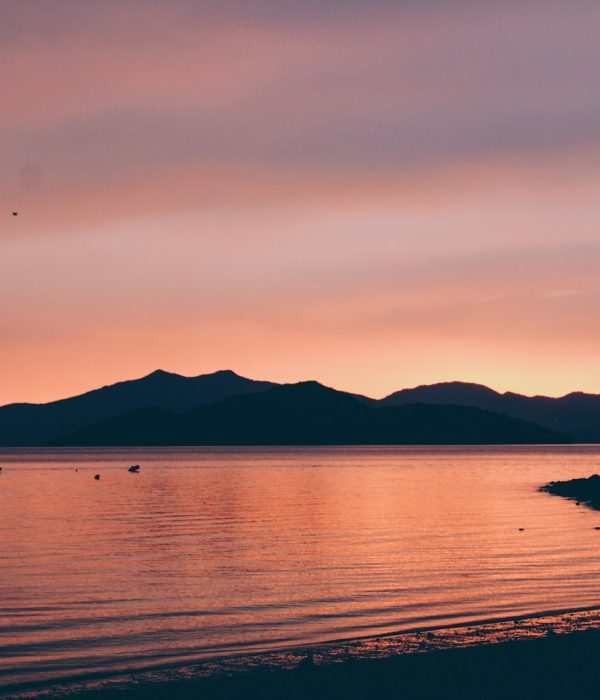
(210, 553)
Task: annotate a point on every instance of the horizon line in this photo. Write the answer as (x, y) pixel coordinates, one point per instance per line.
(300, 381)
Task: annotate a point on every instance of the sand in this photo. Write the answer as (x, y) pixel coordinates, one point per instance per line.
(554, 655)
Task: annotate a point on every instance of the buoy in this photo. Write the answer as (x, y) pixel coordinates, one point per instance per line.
(97, 477)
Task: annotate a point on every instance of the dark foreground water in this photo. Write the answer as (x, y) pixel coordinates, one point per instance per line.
(215, 552)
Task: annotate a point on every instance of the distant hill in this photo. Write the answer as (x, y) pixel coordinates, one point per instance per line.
(39, 424)
(310, 414)
(225, 408)
(576, 414)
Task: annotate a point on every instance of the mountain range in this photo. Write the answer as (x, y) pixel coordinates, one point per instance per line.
(224, 408)
(577, 414)
(43, 424)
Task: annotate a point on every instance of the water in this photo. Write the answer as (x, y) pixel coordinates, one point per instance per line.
(211, 552)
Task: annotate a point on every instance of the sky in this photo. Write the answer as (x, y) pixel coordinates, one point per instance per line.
(372, 193)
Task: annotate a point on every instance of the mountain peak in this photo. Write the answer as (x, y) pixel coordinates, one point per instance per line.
(161, 373)
(42, 423)
(310, 386)
(308, 383)
(447, 391)
(219, 374)
(469, 386)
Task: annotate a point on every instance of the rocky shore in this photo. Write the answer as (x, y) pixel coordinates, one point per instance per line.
(582, 491)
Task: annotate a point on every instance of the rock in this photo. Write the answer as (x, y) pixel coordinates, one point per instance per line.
(582, 491)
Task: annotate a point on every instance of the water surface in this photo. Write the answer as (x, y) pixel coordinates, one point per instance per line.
(211, 552)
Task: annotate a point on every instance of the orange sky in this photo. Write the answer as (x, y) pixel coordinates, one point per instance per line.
(372, 194)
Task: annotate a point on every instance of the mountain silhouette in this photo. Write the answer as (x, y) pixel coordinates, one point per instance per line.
(225, 408)
(576, 414)
(39, 424)
(309, 413)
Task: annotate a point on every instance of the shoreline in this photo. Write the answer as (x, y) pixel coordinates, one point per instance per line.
(349, 664)
(583, 491)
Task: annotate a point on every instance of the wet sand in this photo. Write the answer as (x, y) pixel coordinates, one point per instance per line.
(550, 656)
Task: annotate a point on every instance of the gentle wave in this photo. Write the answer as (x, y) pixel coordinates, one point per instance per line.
(213, 552)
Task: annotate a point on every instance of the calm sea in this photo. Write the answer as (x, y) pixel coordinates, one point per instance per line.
(210, 552)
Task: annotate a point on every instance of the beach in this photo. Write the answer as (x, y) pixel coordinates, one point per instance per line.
(537, 657)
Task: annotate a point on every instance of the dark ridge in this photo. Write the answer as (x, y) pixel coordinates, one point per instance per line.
(586, 491)
(576, 414)
(309, 413)
(574, 417)
(161, 373)
(42, 424)
(450, 390)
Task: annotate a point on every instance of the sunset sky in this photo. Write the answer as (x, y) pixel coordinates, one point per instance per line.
(370, 193)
